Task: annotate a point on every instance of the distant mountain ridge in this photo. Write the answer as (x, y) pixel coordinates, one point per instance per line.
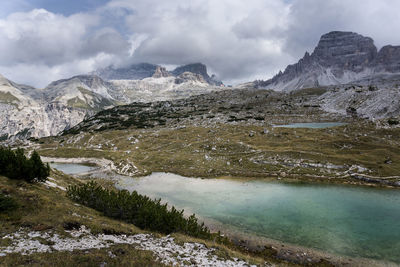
(25, 112)
(132, 72)
(141, 71)
(339, 58)
(29, 112)
(360, 81)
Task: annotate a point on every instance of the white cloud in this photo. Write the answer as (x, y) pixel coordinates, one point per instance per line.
(238, 40)
(42, 37)
(40, 75)
(309, 19)
(46, 44)
(235, 39)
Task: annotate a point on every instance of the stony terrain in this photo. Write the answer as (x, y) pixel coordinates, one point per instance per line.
(258, 107)
(165, 249)
(364, 101)
(233, 133)
(255, 107)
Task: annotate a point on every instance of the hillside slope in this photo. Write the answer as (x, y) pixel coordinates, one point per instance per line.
(47, 229)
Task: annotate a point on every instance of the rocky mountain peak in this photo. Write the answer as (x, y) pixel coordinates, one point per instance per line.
(197, 68)
(145, 70)
(161, 72)
(189, 77)
(346, 50)
(4, 81)
(339, 58)
(133, 72)
(90, 81)
(388, 59)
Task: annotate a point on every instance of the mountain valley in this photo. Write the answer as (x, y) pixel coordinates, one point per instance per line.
(329, 122)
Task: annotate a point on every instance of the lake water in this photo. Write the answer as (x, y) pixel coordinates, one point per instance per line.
(346, 220)
(312, 125)
(72, 168)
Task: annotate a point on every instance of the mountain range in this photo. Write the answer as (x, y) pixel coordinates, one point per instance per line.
(358, 80)
(30, 112)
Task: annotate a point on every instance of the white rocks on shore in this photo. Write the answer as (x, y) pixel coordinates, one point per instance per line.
(166, 250)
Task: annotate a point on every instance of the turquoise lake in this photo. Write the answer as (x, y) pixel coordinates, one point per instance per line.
(72, 168)
(344, 220)
(312, 125)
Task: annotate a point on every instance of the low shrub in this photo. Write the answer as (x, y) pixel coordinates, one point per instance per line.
(393, 121)
(15, 165)
(7, 203)
(137, 209)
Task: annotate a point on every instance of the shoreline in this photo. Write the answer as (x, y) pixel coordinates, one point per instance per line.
(106, 165)
(250, 241)
(287, 251)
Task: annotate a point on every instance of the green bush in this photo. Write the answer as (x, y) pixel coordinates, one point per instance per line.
(15, 165)
(393, 121)
(137, 209)
(7, 203)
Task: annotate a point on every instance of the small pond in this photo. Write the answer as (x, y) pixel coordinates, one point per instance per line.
(345, 220)
(72, 168)
(312, 125)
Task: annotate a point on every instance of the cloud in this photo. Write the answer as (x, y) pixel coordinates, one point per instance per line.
(40, 75)
(238, 40)
(46, 41)
(42, 37)
(309, 19)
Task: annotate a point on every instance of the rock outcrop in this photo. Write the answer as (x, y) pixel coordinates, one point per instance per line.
(189, 77)
(132, 72)
(67, 89)
(339, 58)
(145, 70)
(161, 72)
(344, 51)
(197, 68)
(388, 59)
(24, 112)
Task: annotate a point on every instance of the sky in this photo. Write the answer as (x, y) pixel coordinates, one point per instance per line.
(46, 40)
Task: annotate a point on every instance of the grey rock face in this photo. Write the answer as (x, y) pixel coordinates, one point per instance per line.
(339, 58)
(145, 70)
(365, 101)
(28, 112)
(197, 68)
(344, 50)
(93, 83)
(133, 72)
(189, 77)
(161, 72)
(388, 59)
